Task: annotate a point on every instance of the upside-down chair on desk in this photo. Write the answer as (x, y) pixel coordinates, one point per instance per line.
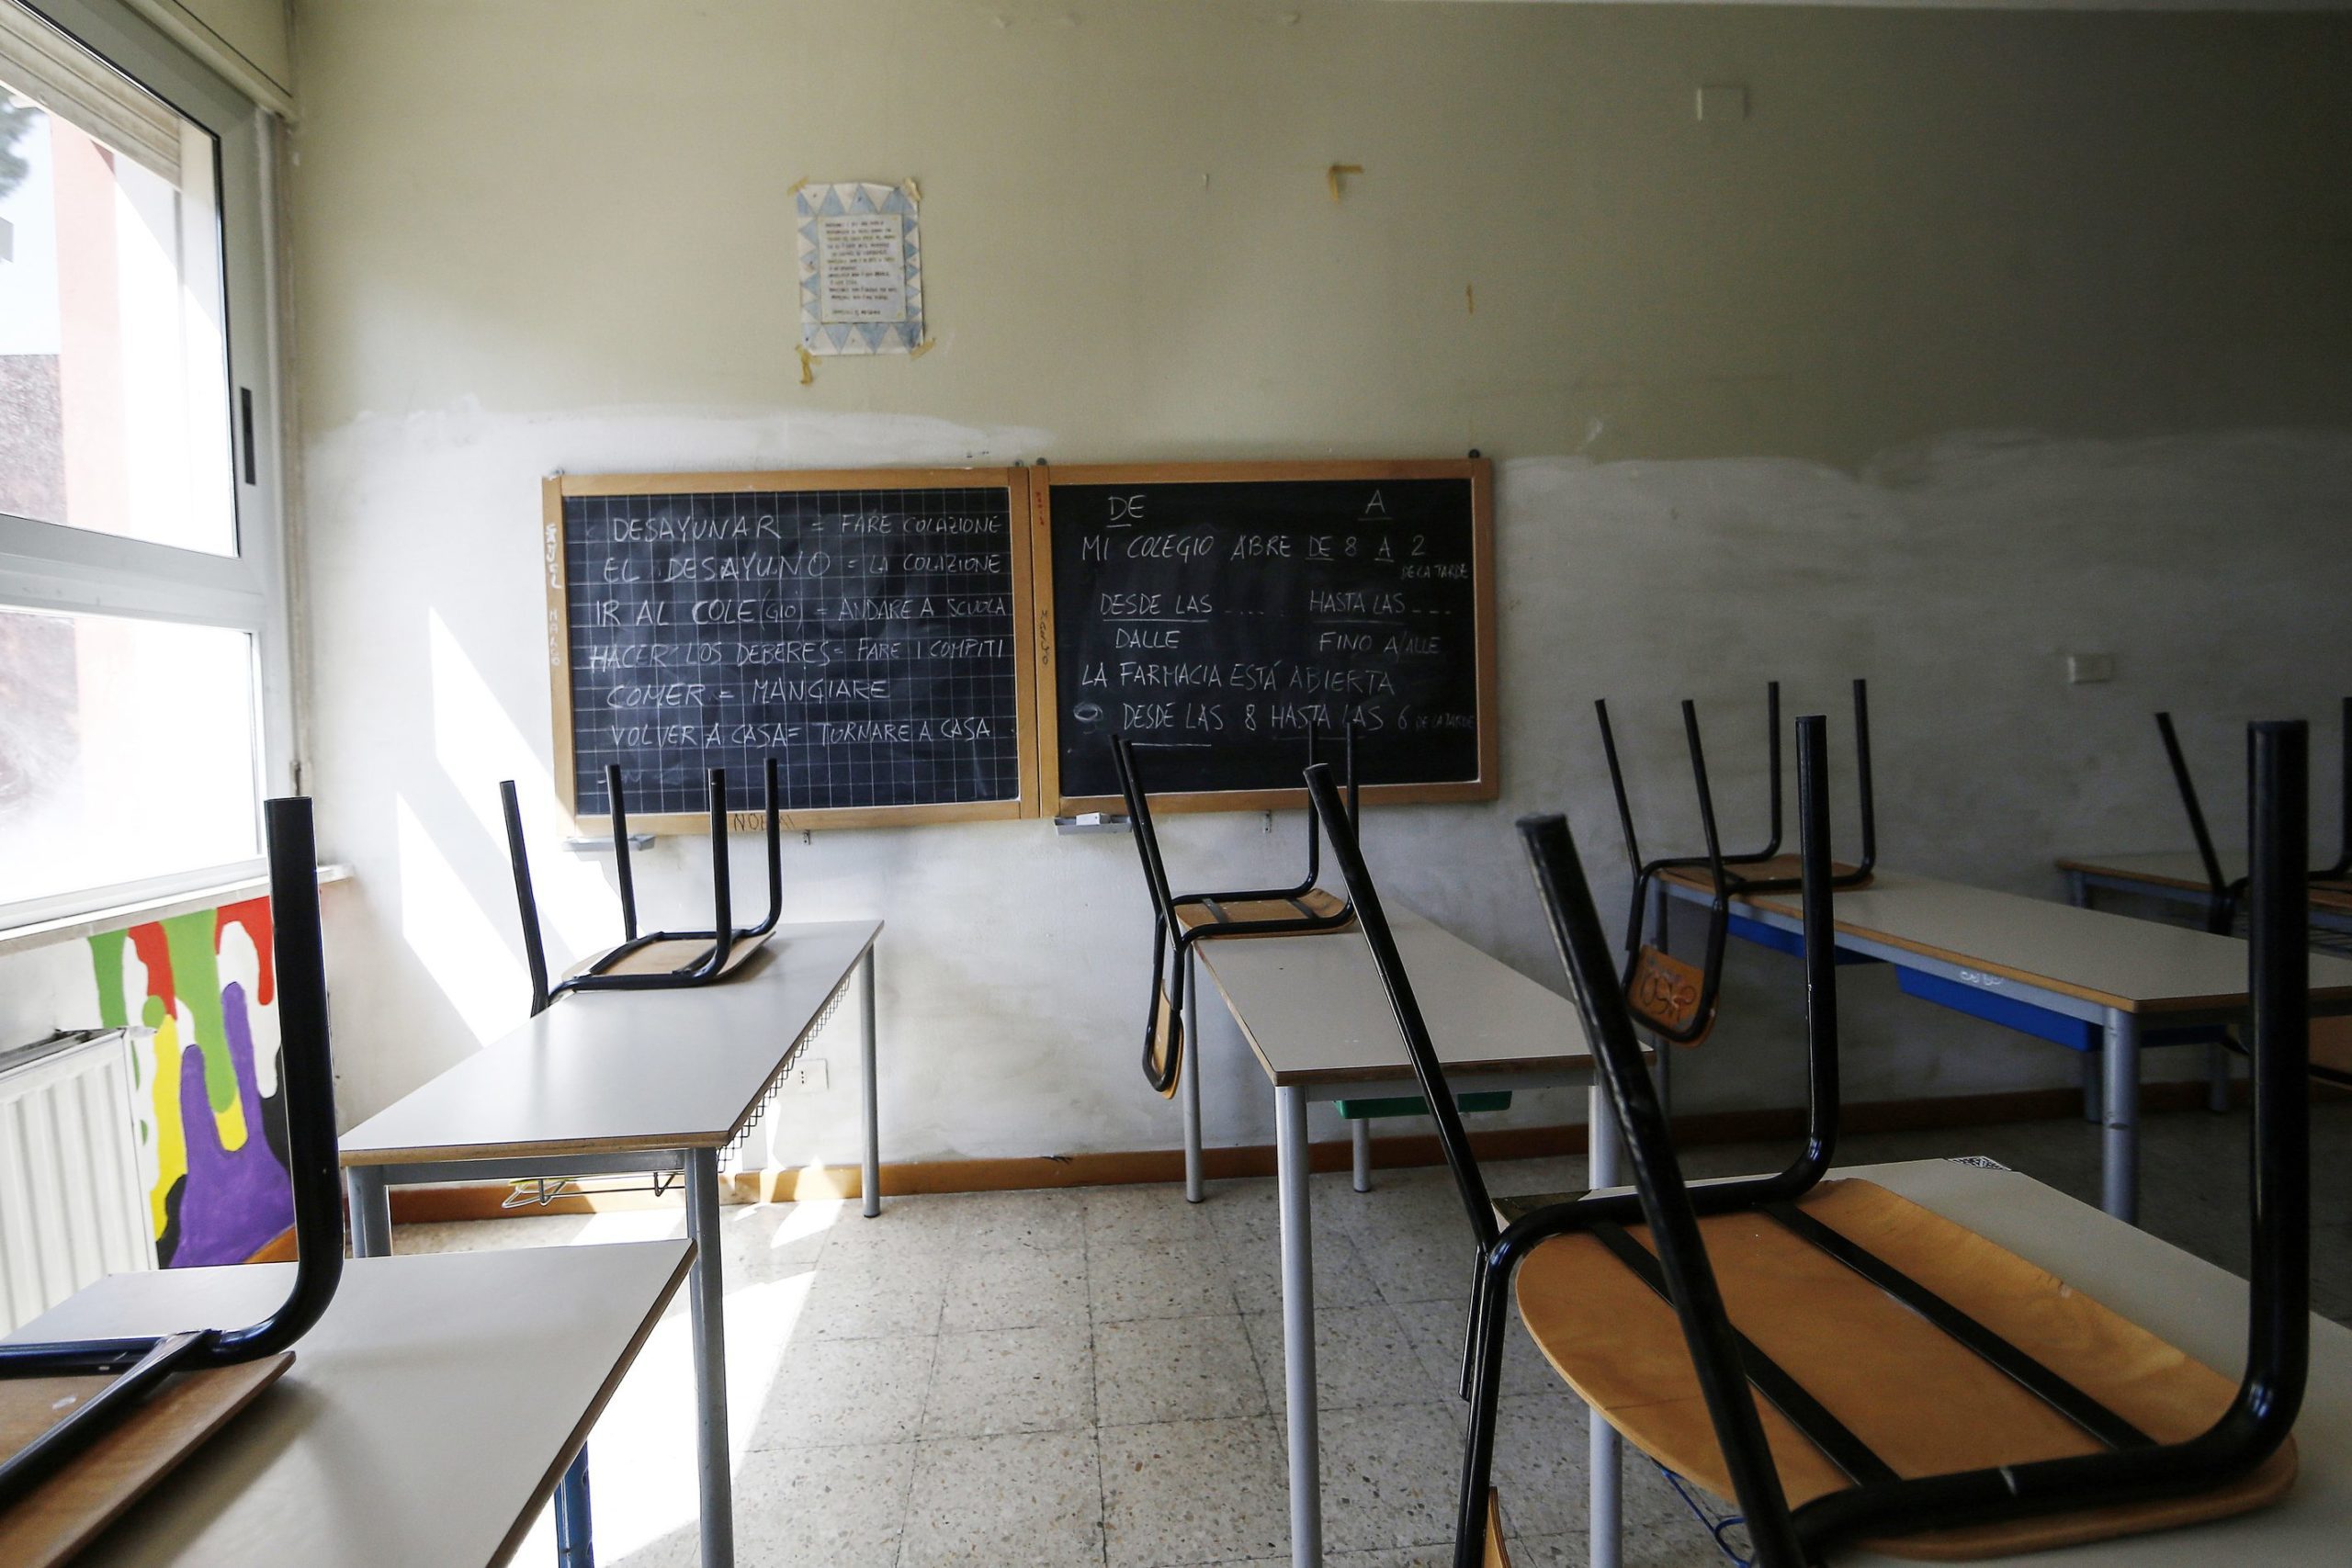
(1182, 919)
(1757, 871)
(659, 960)
(160, 1421)
(2223, 894)
(1983, 1407)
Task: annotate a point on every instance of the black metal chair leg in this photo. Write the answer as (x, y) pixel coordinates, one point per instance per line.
(1488, 1326)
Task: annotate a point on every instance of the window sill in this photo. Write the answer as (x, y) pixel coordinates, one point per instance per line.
(118, 917)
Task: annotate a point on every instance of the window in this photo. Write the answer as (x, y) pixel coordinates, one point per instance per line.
(143, 688)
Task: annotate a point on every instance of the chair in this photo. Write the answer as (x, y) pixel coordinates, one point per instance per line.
(2223, 894)
(1179, 920)
(2047, 1420)
(1771, 872)
(657, 960)
(139, 1365)
(1672, 999)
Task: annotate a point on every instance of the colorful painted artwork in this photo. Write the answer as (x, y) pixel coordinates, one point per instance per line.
(211, 1120)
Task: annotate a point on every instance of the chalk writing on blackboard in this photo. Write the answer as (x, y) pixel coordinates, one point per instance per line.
(1216, 624)
(866, 638)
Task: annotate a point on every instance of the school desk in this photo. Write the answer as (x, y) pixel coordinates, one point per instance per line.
(2179, 877)
(1317, 1016)
(630, 1082)
(2082, 978)
(424, 1421)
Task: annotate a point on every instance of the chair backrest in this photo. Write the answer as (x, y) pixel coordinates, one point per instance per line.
(1670, 997)
(1146, 833)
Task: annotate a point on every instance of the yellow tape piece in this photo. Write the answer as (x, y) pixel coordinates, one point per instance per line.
(920, 349)
(797, 186)
(1332, 176)
(807, 367)
(914, 192)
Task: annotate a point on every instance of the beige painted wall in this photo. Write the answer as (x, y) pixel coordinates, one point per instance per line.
(1745, 369)
(2097, 224)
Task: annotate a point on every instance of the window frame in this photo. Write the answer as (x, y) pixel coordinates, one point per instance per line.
(56, 567)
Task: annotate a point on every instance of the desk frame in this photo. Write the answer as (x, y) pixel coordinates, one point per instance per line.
(371, 1236)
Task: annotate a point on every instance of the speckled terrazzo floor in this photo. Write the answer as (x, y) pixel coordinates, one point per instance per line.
(1094, 1375)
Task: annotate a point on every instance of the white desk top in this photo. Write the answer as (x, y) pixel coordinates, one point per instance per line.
(612, 1071)
(2195, 1306)
(2184, 869)
(1314, 1009)
(2113, 959)
(427, 1415)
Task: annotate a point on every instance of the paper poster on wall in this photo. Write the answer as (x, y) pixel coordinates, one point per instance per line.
(861, 268)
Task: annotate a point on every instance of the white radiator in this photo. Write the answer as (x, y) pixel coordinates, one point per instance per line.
(71, 1204)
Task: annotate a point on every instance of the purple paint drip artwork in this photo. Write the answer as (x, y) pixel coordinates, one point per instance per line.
(248, 1198)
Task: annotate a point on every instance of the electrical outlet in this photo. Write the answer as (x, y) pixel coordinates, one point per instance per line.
(2085, 669)
(807, 1076)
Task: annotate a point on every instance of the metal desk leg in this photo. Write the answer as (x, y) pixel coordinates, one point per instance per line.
(2078, 890)
(2121, 1187)
(371, 1210)
(706, 1282)
(1605, 1526)
(870, 1176)
(2094, 1104)
(1292, 1168)
(1360, 1133)
(2217, 1077)
(1190, 1090)
(575, 1540)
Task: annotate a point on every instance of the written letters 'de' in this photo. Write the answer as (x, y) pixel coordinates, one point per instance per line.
(864, 638)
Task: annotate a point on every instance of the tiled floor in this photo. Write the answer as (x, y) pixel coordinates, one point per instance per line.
(1094, 1375)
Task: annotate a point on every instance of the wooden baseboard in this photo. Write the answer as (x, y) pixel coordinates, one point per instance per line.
(414, 1205)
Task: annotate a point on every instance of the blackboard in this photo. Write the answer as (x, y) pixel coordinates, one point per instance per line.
(1213, 612)
(867, 628)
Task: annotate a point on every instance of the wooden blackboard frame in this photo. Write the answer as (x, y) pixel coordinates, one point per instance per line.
(1016, 482)
(1479, 472)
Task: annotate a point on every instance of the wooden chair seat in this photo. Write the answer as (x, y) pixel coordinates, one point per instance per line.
(665, 957)
(1915, 1398)
(66, 1513)
(1235, 919)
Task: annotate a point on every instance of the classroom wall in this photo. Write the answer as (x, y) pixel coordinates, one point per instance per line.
(1984, 338)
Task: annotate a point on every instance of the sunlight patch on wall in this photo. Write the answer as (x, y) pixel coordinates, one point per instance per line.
(459, 947)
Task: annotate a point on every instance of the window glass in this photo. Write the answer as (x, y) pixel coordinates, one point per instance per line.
(114, 381)
(127, 751)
